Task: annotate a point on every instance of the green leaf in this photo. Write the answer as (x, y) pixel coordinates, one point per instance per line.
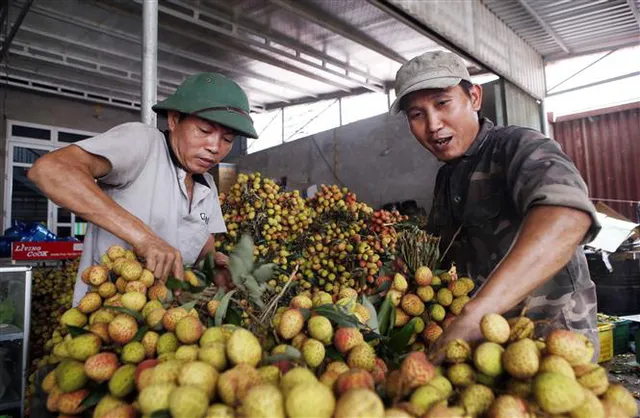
(128, 311)
(342, 319)
(95, 396)
(140, 333)
(221, 311)
(188, 306)
(264, 272)
(371, 336)
(238, 269)
(173, 283)
(384, 317)
(77, 331)
(210, 322)
(233, 317)
(306, 313)
(209, 267)
(382, 288)
(400, 338)
(290, 354)
(163, 413)
(439, 272)
(372, 323)
(332, 353)
(219, 294)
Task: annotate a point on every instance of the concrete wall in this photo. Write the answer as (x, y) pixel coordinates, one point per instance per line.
(522, 109)
(377, 158)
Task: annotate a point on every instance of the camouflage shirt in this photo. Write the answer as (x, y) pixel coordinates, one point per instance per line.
(484, 197)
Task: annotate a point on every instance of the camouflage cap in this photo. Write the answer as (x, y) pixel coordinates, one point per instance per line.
(431, 70)
(213, 97)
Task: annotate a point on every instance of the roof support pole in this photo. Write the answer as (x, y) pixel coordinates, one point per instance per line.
(149, 93)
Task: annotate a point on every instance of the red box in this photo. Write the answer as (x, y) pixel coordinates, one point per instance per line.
(22, 251)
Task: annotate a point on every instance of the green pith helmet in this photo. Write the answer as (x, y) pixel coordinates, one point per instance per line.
(213, 97)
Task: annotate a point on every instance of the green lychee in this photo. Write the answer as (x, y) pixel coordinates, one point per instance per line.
(264, 401)
(477, 399)
(189, 330)
(155, 397)
(132, 353)
(214, 354)
(70, 376)
(461, 375)
(557, 393)
(84, 346)
(188, 402)
(521, 359)
(122, 382)
(187, 352)
(488, 359)
(320, 329)
(557, 364)
(495, 328)
(359, 403)
(310, 400)
(244, 347)
(167, 343)
(199, 374)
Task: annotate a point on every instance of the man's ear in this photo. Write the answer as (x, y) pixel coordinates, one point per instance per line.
(476, 97)
(173, 118)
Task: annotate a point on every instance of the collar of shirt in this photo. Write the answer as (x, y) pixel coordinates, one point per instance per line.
(197, 178)
(486, 126)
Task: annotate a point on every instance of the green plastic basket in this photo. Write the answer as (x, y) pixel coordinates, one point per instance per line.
(621, 337)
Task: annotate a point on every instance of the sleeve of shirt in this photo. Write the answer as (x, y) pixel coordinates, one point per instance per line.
(216, 222)
(126, 147)
(539, 173)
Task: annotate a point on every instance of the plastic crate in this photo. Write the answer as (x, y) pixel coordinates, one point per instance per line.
(605, 333)
(621, 334)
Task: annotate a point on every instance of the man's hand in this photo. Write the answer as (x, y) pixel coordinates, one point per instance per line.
(465, 327)
(161, 258)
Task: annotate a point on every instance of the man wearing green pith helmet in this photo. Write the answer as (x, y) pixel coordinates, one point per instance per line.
(150, 190)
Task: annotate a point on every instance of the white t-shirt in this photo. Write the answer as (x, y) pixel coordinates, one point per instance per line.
(147, 181)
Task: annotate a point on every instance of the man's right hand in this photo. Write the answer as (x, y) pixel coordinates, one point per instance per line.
(160, 257)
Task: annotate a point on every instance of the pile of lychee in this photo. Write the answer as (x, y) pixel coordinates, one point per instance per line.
(510, 374)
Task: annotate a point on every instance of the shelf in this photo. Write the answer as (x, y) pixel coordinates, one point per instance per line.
(10, 400)
(10, 333)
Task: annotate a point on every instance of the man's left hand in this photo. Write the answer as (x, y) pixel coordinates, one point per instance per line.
(222, 277)
(465, 327)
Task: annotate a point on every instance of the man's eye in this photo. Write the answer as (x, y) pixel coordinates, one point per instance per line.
(229, 138)
(205, 131)
(443, 102)
(415, 115)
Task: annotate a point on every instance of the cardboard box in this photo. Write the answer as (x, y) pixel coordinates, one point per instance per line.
(225, 176)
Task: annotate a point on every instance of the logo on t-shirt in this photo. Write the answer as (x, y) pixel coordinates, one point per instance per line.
(205, 218)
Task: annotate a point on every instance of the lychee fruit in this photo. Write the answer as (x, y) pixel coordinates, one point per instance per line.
(399, 283)
(431, 332)
(311, 399)
(189, 330)
(620, 396)
(132, 352)
(213, 335)
(557, 393)
(291, 323)
(159, 292)
(220, 410)
(477, 399)
(461, 375)
(423, 276)
(167, 343)
(338, 366)
(353, 379)
(294, 377)
(592, 377)
(347, 338)
(425, 397)
(106, 404)
(396, 413)
(199, 374)
(402, 318)
(521, 359)
(521, 327)
(359, 403)
(457, 351)
(437, 312)
(313, 352)
(101, 316)
(425, 293)
(155, 397)
(458, 304)
(412, 304)
(264, 401)
(416, 370)
(347, 292)
(298, 341)
(187, 353)
(362, 356)
(591, 407)
(122, 382)
(74, 318)
(212, 307)
(131, 270)
(394, 296)
(320, 328)
(379, 371)
(150, 343)
(136, 286)
(107, 289)
(270, 374)
(458, 288)
(70, 376)
(70, 403)
(508, 406)
(90, 302)
(134, 301)
(444, 296)
(171, 318)
(95, 275)
(443, 385)
(243, 347)
(147, 278)
(84, 346)
(301, 301)
(234, 384)
(487, 358)
(321, 298)
(188, 402)
(101, 367)
(520, 388)
(121, 285)
(122, 329)
(115, 251)
(214, 354)
(572, 346)
(362, 313)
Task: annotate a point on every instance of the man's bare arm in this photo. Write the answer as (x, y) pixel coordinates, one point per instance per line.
(67, 177)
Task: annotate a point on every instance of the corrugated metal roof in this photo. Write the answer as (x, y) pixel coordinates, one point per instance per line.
(281, 51)
(564, 28)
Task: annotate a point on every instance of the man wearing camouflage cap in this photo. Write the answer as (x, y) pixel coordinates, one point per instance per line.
(151, 190)
(512, 204)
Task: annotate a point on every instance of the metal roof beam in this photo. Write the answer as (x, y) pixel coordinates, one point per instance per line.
(166, 48)
(16, 26)
(328, 21)
(544, 25)
(634, 10)
(242, 29)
